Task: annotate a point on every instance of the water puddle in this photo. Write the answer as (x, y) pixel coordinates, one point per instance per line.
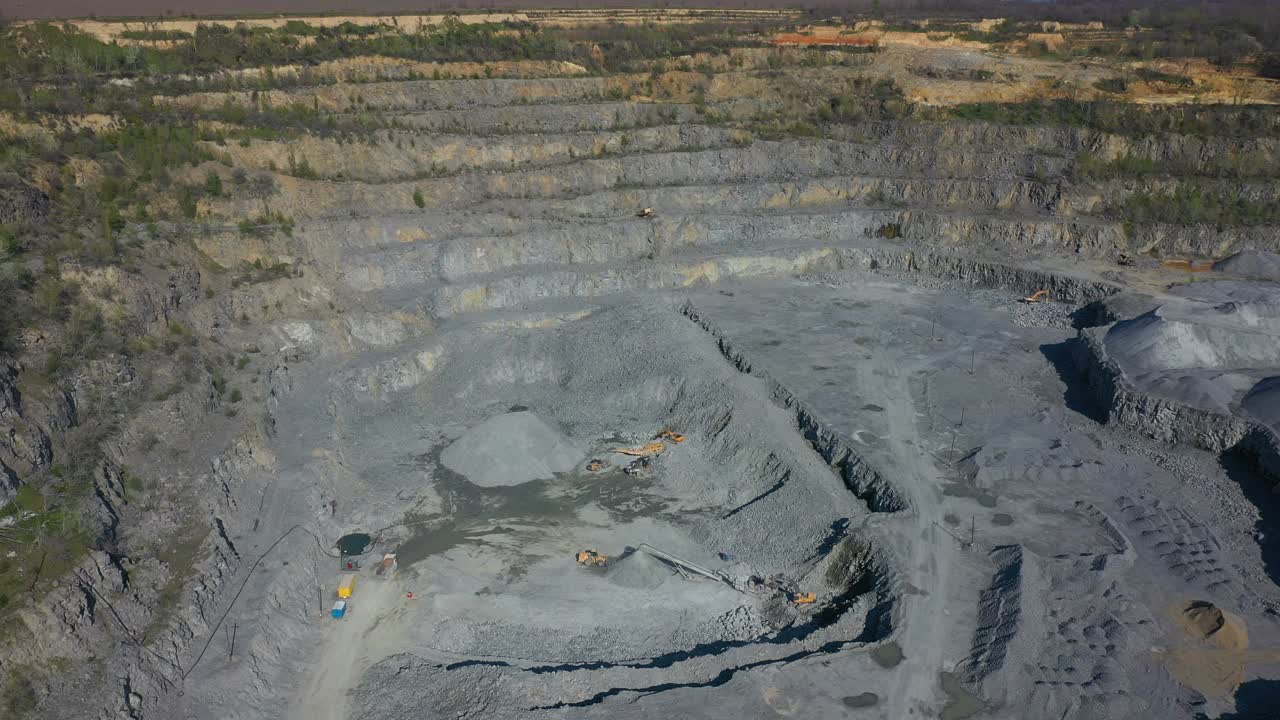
(354, 544)
(887, 655)
(861, 700)
(983, 498)
(961, 703)
(470, 512)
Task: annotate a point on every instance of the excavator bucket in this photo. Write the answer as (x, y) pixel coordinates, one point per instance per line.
(671, 435)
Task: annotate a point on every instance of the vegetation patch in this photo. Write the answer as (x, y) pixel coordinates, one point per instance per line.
(1239, 165)
(1190, 204)
(1126, 119)
(1155, 76)
(180, 555)
(1114, 85)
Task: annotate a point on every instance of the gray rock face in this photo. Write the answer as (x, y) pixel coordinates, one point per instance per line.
(21, 203)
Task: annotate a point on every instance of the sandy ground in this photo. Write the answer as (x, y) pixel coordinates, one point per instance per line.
(348, 647)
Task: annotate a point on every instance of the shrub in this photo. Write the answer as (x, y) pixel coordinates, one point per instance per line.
(1112, 85)
(213, 185)
(1269, 65)
(889, 231)
(1150, 75)
(188, 202)
(418, 199)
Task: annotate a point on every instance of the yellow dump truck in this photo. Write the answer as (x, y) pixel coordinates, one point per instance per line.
(347, 586)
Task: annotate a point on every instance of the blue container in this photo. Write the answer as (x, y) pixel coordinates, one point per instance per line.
(339, 609)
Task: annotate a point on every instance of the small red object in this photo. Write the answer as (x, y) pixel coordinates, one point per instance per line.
(410, 596)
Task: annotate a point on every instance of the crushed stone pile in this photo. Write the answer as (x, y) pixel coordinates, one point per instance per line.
(1263, 402)
(1224, 337)
(639, 571)
(743, 623)
(511, 449)
(1253, 264)
(1207, 348)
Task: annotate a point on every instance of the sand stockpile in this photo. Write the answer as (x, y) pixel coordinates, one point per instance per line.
(1214, 657)
(511, 449)
(1205, 621)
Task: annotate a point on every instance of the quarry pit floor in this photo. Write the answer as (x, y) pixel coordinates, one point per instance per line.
(916, 454)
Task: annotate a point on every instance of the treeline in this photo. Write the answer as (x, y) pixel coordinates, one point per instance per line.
(47, 52)
(1225, 31)
(622, 46)
(217, 47)
(44, 61)
(1242, 121)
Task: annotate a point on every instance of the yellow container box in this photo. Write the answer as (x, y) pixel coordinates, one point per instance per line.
(347, 586)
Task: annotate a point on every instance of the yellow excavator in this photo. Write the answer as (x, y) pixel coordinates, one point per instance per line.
(653, 448)
(592, 558)
(1037, 296)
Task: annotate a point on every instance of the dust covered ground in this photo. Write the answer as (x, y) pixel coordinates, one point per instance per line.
(1022, 556)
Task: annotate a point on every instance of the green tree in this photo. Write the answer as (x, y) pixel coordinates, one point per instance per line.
(213, 185)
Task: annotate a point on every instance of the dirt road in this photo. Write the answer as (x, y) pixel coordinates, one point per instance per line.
(350, 645)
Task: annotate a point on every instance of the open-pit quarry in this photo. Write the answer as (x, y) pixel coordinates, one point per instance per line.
(870, 412)
(538, 312)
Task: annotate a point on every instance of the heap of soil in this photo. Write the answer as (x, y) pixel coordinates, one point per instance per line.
(1205, 621)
